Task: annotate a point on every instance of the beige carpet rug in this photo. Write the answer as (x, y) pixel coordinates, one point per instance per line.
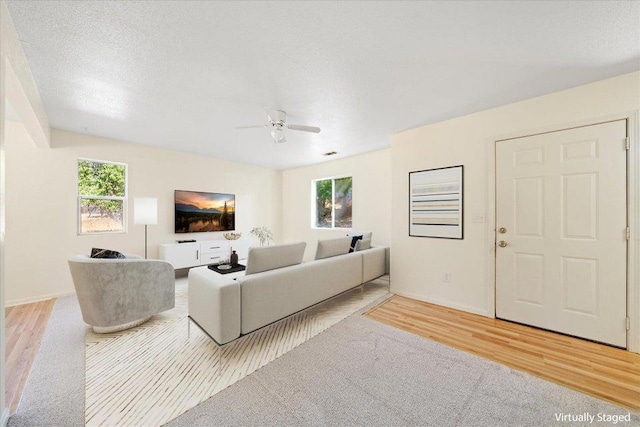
(150, 374)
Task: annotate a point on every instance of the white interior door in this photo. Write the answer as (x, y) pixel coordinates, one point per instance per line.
(561, 199)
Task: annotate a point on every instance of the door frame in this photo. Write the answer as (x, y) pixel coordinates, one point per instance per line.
(633, 214)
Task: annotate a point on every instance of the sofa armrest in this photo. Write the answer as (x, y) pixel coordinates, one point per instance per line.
(387, 262)
(214, 304)
(374, 263)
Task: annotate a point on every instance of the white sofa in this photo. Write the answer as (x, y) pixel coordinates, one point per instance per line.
(276, 286)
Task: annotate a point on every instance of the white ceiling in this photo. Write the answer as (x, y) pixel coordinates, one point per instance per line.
(182, 75)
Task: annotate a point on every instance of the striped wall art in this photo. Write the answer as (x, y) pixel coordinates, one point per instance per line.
(435, 203)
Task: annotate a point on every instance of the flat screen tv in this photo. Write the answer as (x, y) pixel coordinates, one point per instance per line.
(198, 212)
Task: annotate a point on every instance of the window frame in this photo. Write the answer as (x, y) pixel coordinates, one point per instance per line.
(314, 197)
(80, 197)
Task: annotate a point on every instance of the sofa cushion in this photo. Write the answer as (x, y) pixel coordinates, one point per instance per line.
(363, 244)
(354, 243)
(332, 247)
(272, 295)
(272, 257)
(106, 253)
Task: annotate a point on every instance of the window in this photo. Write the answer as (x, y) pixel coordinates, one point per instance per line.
(102, 195)
(332, 202)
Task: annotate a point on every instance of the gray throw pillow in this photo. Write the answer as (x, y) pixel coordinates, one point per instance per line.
(363, 244)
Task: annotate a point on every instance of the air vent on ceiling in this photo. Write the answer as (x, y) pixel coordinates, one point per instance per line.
(330, 153)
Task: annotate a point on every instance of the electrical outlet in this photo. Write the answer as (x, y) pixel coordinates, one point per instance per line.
(446, 277)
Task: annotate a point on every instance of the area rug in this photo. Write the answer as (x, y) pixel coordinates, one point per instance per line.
(364, 373)
(150, 374)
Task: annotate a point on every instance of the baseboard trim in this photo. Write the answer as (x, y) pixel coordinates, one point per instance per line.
(36, 299)
(442, 303)
(4, 418)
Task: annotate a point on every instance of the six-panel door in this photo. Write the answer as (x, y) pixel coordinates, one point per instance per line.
(561, 197)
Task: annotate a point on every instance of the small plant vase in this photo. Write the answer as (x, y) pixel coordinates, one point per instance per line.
(264, 235)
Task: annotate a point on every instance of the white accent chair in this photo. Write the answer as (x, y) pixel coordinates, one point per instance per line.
(117, 294)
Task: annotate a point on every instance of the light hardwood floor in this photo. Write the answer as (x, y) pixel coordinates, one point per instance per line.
(598, 370)
(24, 326)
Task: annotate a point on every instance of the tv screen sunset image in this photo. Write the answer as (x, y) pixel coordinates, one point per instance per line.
(198, 211)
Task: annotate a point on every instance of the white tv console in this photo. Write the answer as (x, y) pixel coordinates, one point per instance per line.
(193, 254)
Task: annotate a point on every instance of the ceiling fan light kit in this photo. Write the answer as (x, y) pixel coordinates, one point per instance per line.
(278, 134)
(278, 121)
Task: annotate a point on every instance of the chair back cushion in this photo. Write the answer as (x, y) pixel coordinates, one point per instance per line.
(271, 257)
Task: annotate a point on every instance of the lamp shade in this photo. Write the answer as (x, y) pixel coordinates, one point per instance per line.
(145, 210)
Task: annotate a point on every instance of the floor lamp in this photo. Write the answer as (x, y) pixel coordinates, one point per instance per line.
(145, 211)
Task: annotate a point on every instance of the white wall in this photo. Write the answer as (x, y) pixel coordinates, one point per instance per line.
(41, 205)
(371, 175)
(418, 263)
(18, 86)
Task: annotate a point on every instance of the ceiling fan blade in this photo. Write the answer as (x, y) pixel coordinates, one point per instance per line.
(251, 127)
(313, 129)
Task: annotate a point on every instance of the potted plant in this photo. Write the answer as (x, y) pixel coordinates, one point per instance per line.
(263, 234)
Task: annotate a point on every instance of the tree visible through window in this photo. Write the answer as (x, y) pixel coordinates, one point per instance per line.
(333, 202)
(102, 191)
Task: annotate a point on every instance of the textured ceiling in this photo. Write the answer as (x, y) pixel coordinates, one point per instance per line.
(182, 75)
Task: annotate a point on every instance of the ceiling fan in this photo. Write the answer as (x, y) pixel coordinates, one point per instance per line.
(277, 122)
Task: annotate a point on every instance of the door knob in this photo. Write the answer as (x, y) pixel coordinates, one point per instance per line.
(502, 244)
(502, 230)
